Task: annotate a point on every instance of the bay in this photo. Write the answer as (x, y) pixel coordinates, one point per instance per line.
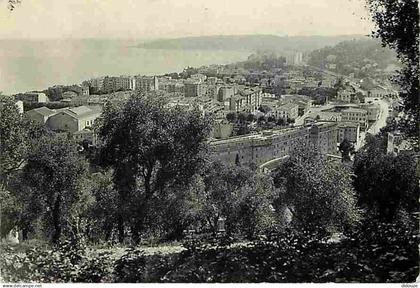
(27, 65)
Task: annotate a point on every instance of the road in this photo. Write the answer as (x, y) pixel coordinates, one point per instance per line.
(378, 124)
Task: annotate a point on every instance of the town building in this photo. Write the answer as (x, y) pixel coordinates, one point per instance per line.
(252, 98)
(373, 110)
(32, 97)
(286, 111)
(113, 84)
(344, 96)
(382, 92)
(324, 137)
(40, 115)
(193, 88)
(355, 115)
(74, 119)
(274, 144)
(97, 84)
(225, 93)
(303, 102)
(349, 131)
(199, 77)
(145, 83)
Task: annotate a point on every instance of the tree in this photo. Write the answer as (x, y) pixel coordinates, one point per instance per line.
(237, 160)
(250, 117)
(271, 119)
(319, 193)
(150, 148)
(13, 140)
(397, 26)
(17, 135)
(346, 148)
(261, 119)
(281, 122)
(290, 120)
(231, 117)
(237, 194)
(102, 214)
(242, 117)
(264, 109)
(385, 184)
(54, 174)
(242, 129)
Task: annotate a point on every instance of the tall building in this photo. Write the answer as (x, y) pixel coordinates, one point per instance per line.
(192, 88)
(113, 84)
(146, 83)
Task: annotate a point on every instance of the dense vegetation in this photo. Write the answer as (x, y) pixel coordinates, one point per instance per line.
(361, 57)
(397, 27)
(311, 220)
(249, 42)
(152, 181)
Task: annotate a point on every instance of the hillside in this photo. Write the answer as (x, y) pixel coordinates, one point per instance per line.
(249, 42)
(363, 57)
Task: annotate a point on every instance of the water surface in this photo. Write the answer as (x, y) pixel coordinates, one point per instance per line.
(37, 64)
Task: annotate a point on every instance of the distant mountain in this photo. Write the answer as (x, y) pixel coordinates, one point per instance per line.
(250, 42)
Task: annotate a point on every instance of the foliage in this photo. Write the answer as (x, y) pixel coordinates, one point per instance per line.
(130, 267)
(397, 26)
(385, 183)
(379, 253)
(361, 57)
(236, 194)
(17, 135)
(318, 94)
(103, 212)
(264, 60)
(370, 252)
(66, 262)
(54, 176)
(150, 148)
(9, 207)
(318, 193)
(231, 117)
(13, 139)
(346, 148)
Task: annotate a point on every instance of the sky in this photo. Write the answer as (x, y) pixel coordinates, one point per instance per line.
(179, 18)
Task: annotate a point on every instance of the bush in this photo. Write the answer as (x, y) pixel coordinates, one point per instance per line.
(65, 263)
(130, 268)
(372, 252)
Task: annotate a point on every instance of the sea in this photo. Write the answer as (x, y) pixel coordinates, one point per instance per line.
(29, 65)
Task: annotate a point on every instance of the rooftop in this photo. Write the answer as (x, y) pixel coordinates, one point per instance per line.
(44, 111)
(354, 110)
(82, 111)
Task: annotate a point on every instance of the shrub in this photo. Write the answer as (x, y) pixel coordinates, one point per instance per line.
(130, 268)
(65, 263)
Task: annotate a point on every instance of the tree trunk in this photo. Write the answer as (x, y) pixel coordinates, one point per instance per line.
(24, 234)
(121, 233)
(56, 220)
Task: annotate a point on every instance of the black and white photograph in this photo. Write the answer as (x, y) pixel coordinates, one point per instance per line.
(209, 141)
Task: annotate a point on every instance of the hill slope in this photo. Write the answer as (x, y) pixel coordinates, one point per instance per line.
(249, 42)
